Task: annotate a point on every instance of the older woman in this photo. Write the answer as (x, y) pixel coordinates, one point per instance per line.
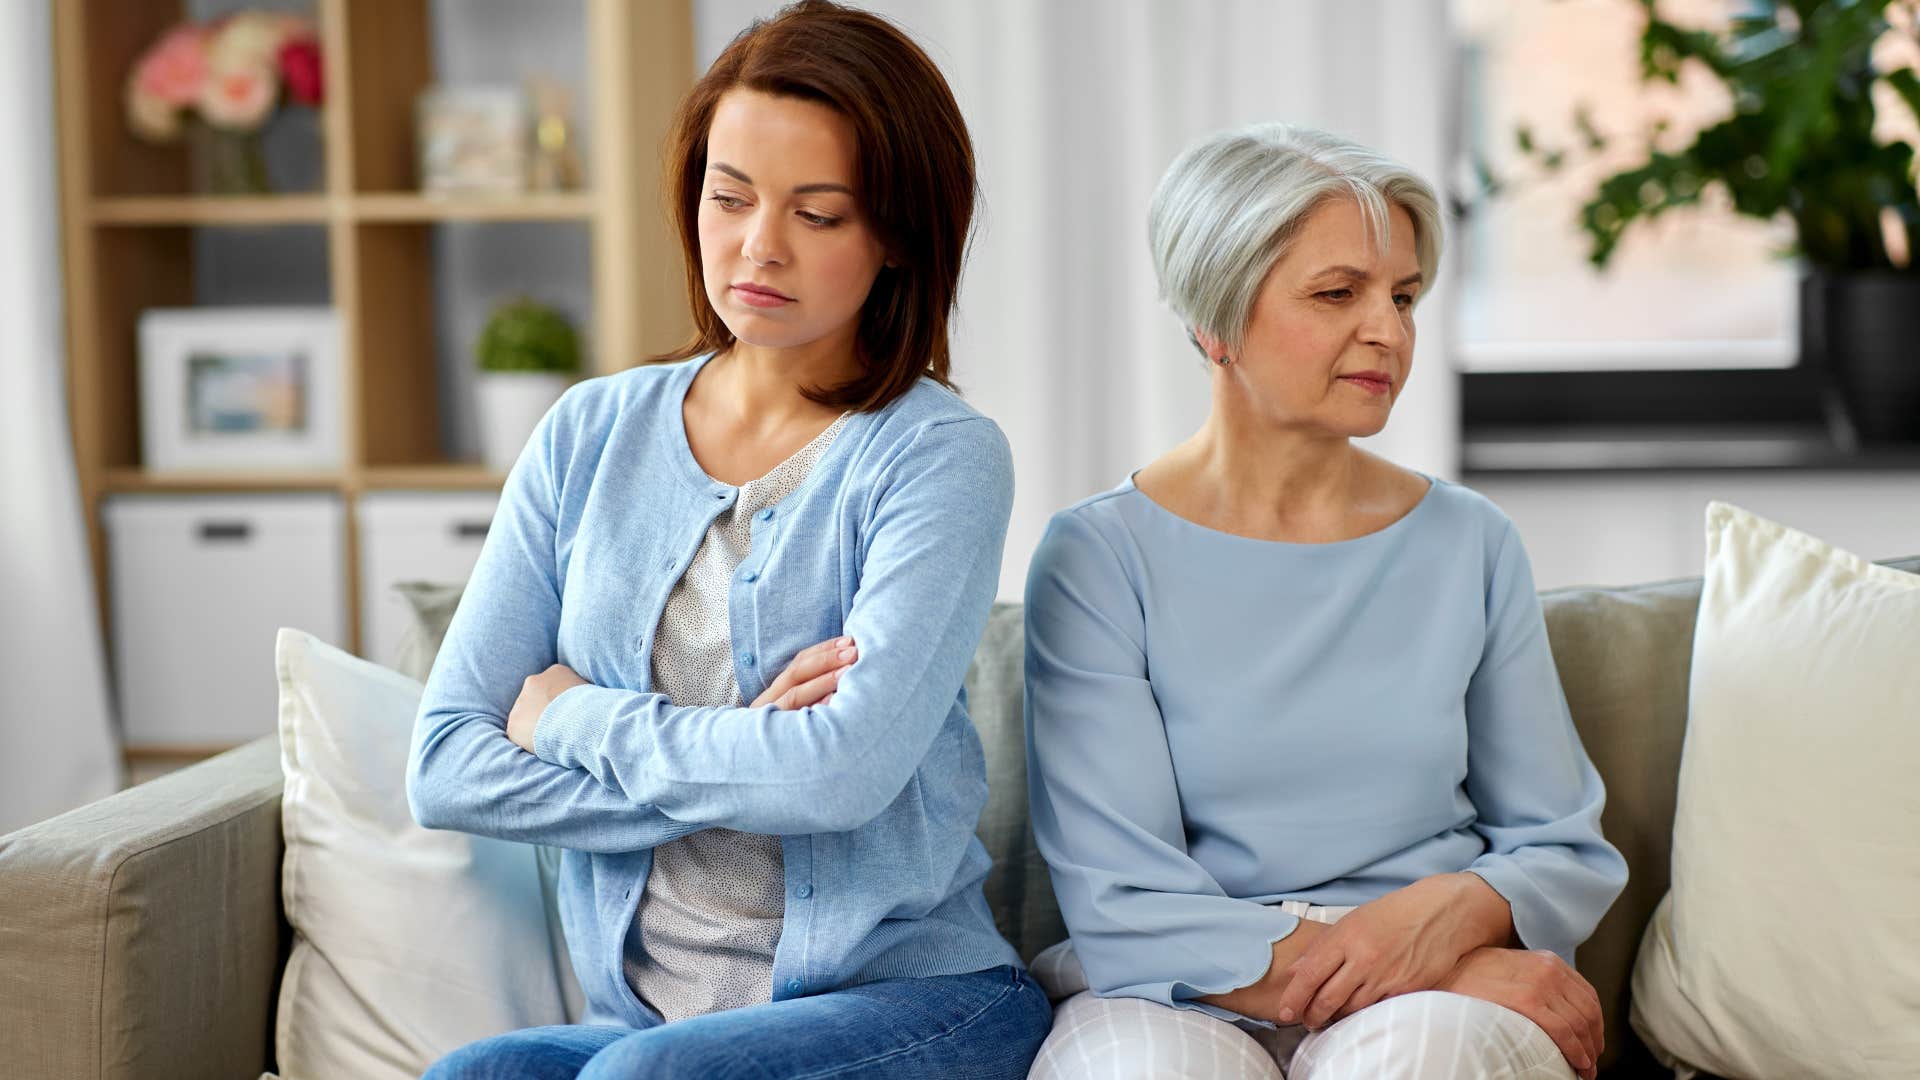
(1301, 764)
(714, 645)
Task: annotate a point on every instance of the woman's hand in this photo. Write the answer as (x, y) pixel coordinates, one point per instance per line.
(536, 693)
(1261, 999)
(1541, 987)
(811, 677)
(1404, 941)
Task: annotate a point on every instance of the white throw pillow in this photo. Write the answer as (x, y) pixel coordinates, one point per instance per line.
(1789, 943)
(408, 943)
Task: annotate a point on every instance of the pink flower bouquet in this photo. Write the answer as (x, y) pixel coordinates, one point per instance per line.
(231, 71)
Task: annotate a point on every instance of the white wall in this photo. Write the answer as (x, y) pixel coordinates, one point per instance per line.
(1621, 529)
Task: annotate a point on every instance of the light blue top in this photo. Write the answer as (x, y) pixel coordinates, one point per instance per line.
(894, 539)
(1217, 723)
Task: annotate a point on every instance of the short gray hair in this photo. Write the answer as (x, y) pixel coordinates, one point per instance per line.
(1231, 205)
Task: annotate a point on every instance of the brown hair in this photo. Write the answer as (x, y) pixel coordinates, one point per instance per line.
(915, 183)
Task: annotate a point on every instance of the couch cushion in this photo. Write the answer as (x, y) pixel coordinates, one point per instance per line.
(408, 942)
(1788, 945)
(1018, 888)
(430, 606)
(1622, 655)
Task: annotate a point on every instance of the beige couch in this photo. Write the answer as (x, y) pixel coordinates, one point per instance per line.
(142, 937)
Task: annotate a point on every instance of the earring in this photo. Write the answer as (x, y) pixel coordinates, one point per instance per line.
(1223, 359)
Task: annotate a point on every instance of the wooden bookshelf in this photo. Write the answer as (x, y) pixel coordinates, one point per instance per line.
(424, 208)
(454, 477)
(209, 210)
(403, 207)
(129, 218)
(121, 481)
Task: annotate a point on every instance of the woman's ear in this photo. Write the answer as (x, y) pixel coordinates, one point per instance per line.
(1210, 347)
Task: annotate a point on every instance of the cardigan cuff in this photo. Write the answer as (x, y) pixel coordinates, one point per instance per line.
(573, 726)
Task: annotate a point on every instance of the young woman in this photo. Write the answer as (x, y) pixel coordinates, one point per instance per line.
(714, 644)
(1301, 765)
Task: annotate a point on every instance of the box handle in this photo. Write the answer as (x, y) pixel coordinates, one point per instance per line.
(236, 531)
(471, 530)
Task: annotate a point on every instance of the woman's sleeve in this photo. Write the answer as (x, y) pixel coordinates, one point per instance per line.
(1147, 920)
(462, 771)
(1536, 794)
(928, 576)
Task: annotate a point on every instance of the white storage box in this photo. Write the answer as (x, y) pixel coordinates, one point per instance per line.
(201, 584)
(413, 536)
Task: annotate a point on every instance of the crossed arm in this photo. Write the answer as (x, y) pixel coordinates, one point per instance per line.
(810, 679)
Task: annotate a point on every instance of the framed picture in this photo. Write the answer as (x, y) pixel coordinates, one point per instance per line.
(240, 389)
(472, 140)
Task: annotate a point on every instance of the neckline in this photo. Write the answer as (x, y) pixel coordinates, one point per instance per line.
(1396, 525)
(827, 435)
(687, 467)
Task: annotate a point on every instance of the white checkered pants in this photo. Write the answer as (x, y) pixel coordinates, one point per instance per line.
(1429, 1036)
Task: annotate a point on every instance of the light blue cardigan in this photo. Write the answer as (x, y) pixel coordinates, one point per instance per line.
(895, 539)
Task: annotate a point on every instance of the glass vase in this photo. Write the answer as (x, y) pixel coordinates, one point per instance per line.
(229, 162)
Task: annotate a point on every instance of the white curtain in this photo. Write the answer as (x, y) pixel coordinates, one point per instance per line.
(57, 748)
(1076, 107)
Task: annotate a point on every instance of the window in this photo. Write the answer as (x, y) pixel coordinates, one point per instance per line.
(1694, 289)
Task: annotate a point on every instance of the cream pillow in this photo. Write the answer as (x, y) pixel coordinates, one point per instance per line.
(408, 943)
(1789, 943)
(430, 608)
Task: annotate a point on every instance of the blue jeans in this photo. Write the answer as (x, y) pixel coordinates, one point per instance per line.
(985, 1025)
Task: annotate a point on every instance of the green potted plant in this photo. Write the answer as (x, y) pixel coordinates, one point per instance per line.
(1798, 143)
(528, 355)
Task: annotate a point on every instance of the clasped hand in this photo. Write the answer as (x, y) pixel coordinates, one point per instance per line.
(1404, 941)
(1448, 932)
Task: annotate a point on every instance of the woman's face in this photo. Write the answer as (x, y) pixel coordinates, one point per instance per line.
(1330, 342)
(787, 257)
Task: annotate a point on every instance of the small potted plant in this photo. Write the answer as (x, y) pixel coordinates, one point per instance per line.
(528, 355)
(1800, 142)
(223, 80)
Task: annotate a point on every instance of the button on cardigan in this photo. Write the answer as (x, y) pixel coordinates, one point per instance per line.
(894, 539)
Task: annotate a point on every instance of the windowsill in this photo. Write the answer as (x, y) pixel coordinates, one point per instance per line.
(1549, 423)
(1584, 448)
